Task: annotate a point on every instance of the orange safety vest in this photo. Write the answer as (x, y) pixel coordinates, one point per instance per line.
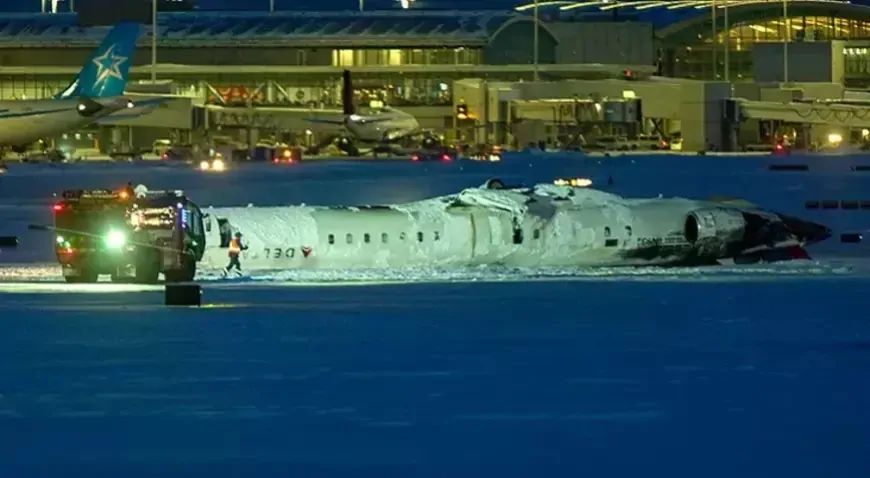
(235, 247)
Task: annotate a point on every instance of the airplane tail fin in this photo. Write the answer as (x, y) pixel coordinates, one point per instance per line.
(347, 94)
(105, 73)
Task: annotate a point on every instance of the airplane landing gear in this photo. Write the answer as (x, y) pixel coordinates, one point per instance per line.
(346, 144)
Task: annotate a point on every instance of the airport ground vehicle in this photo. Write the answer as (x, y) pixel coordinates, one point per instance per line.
(610, 143)
(651, 142)
(161, 146)
(424, 156)
(129, 238)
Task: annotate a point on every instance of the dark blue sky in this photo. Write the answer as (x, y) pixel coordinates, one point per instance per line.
(319, 5)
(34, 5)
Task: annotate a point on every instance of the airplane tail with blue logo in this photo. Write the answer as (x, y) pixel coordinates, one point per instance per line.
(105, 73)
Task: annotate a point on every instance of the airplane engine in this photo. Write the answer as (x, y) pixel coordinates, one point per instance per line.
(713, 230)
(88, 107)
(429, 142)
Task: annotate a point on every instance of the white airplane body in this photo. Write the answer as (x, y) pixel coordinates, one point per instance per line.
(26, 121)
(384, 126)
(544, 226)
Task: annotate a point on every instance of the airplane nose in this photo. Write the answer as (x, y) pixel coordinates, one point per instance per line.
(808, 232)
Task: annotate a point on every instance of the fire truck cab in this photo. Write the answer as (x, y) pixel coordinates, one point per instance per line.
(130, 238)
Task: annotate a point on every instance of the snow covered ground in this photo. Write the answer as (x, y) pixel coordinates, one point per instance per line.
(758, 371)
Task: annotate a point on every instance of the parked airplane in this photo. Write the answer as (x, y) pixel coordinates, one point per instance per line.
(384, 129)
(95, 93)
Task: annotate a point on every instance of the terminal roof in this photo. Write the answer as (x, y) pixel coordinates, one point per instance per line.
(660, 13)
(443, 26)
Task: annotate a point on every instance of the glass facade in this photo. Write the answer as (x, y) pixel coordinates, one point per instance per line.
(30, 87)
(398, 57)
(856, 61)
(697, 60)
(326, 93)
(303, 89)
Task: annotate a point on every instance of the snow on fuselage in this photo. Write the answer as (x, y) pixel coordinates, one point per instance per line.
(476, 227)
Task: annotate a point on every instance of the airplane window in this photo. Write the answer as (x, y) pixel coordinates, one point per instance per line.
(331, 239)
(207, 220)
(437, 236)
(384, 237)
(536, 234)
(367, 238)
(518, 236)
(349, 238)
(606, 232)
(195, 222)
(419, 237)
(402, 236)
(628, 230)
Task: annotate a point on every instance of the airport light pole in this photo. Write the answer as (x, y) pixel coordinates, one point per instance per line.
(361, 5)
(727, 33)
(785, 40)
(153, 41)
(713, 40)
(534, 43)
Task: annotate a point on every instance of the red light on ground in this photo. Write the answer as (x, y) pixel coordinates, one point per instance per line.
(276, 160)
(445, 157)
(164, 156)
(58, 207)
(415, 158)
(779, 147)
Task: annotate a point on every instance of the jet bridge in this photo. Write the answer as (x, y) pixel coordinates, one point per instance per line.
(813, 113)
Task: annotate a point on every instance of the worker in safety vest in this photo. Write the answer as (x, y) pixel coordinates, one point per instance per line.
(235, 250)
(128, 192)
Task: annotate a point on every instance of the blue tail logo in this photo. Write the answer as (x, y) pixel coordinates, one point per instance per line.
(105, 73)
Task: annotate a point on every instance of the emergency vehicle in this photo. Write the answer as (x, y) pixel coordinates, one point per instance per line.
(129, 237)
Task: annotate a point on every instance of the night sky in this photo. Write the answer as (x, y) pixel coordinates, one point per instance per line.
(318, 5)
(34, 5)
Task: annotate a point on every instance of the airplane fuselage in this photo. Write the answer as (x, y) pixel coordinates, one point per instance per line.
(26, 121)
(432, 233)
(382, 127)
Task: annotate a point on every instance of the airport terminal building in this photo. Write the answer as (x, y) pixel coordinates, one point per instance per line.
(266, 70)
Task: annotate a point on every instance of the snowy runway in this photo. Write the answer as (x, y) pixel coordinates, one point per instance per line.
(47, 278)
(514, 379)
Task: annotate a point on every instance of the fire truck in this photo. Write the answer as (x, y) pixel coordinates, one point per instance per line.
(132, 238)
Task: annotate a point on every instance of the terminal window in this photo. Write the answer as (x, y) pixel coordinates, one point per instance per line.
(397, 57)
